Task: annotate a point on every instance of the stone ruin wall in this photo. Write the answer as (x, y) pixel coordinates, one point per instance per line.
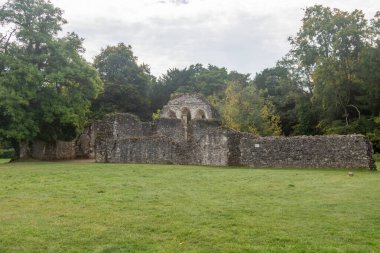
(122, 138)
(137, 143)
(60, 150)
(189, 132)
(330, 151)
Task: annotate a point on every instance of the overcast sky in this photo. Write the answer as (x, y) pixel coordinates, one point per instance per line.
(242, 35)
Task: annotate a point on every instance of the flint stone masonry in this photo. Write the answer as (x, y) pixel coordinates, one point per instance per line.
(168, 143)
(331, 151)
(208, 143)
(170, 127)
(180, 137)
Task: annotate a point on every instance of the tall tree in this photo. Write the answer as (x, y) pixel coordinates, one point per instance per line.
(243, 108)
(326, 52)
(335, 61)
(126, 83)
(277, 87)
(45, 84)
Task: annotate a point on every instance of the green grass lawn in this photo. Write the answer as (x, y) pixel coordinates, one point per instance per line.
(4, 160)
(85, 207)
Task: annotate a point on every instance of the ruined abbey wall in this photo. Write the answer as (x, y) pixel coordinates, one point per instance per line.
(331, 151)
(189, 132)
(122, 138)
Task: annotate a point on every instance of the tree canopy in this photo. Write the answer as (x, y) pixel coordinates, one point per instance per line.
(333, 60)
(126, 83)
(45, 84)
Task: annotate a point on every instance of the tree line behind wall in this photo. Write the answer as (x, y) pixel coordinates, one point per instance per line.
(329, 82)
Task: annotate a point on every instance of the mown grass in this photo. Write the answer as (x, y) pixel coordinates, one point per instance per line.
(3, 160)
(85, 207)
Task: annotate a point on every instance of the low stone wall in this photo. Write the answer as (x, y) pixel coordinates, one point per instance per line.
(331, 151)
(123, 138)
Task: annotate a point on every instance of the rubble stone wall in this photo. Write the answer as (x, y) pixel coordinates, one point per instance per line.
(208, 143)
(188, 132)
(174, 128)
(331, 151)
(142, 150)
(205, 142)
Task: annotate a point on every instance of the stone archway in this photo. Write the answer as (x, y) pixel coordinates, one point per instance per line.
(185, 114)
(200, 114)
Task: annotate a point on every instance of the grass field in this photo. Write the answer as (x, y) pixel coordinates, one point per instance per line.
(4, 160)
(86, 207)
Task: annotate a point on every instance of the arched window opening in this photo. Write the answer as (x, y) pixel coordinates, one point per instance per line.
(200, 114)
(185, 114)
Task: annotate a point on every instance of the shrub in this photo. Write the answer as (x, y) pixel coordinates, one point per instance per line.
(376, 156)
(7, 153)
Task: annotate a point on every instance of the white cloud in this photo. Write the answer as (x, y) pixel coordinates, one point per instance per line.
(242, 35)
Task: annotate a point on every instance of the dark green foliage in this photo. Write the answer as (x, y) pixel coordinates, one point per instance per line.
(366, 125)
(126, 84)
(210, 81)
(377, 157)
(369, 80)
(277, 87)
(307, 118)
(7, 153)
(173, 80)
(334, 65)
(45, 85)
(6, 150)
